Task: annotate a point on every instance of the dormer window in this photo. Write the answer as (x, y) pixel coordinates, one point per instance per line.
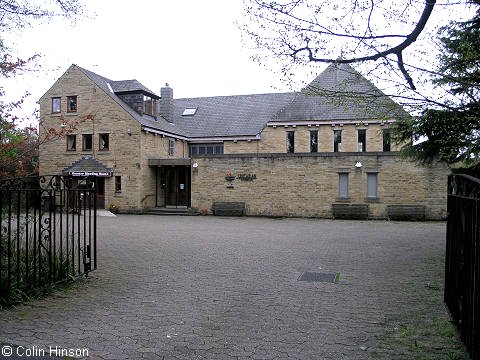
(148, 105)
(189, 111)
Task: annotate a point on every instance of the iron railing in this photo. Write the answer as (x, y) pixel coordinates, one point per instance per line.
(47, 231)
(462, 263)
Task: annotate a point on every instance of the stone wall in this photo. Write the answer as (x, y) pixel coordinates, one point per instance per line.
(273, 139)
(307, 184)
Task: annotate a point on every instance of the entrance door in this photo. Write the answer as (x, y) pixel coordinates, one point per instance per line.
(175, 186)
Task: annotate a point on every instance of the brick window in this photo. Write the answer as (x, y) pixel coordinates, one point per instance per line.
(104, 142)
(387, 140)
(205, 149)
(362, 140)
(87, 142)
(337, 140)
(343, 185)
(71, 142)
(118, 184)
(56, 105)
(290, 142)
(171, 147)
(314, 141)
(71, 104)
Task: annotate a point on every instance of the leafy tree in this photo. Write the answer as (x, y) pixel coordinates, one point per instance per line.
(451, 133)
(19, 143)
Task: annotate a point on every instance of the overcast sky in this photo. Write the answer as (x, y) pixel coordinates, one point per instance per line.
(193, 45)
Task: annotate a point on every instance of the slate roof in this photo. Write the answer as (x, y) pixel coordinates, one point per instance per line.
(338, 93)
(129, 86)
(240, 115)
(87, 164)
(158, 123)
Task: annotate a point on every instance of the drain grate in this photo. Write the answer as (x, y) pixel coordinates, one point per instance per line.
(319, 277)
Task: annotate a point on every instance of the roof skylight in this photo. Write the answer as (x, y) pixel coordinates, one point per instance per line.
(189, 111)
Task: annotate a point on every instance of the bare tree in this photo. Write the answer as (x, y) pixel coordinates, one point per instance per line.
(391, 34)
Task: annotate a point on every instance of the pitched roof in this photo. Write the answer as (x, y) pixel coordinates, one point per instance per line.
(157, 123)
(240, 115)
(131, 85)
(340, 93)
(86, 166)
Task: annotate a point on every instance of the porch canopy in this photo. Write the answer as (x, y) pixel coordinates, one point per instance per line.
(169, 162)
(88, 166)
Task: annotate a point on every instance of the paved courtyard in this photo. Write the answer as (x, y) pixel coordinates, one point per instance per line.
(227, 288)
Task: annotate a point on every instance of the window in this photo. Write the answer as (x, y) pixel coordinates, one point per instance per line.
(387, 140)
(148, 105)
(71, 142)
(189, 112)
(71, 103)
(290, 142)
(204, 149)
(171, 147)
(362, 140)
(372, 185)
(56, 105)
(87, 142)
(343, 185)
(104, 142)
(314, 141)
(337, 140)
(118, 184)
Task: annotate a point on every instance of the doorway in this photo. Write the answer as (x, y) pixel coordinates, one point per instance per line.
(173, 186)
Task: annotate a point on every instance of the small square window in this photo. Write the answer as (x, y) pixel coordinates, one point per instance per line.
(104, 142)
(71, 142)
(87, 142)
(71, 104)
(56, 105)
(118, 184)
(171, 147)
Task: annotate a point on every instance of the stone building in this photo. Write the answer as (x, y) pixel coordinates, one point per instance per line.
(302, 153)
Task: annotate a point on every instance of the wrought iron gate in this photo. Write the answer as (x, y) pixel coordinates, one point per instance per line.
(47, 231)
(462, 263)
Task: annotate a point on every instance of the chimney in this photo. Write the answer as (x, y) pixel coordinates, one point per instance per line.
(166, 103)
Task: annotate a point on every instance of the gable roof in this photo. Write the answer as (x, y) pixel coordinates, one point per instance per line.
(340, 93)
(157, 123)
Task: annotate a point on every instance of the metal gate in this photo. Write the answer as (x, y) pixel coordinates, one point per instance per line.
(47, 231)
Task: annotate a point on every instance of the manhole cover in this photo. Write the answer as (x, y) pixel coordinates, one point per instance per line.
(319, 277)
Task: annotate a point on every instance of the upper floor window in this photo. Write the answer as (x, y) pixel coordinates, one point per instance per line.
(362, 140)
(56, 105)
(205, 149)
(71, 103)
(290, 142)
(104, 142)
(387, 140)
(314, 141)
(171, 147)
(337, 140)
(148, 105)
(71, 142)
(87, 142)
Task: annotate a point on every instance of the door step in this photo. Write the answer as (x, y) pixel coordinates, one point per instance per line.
(172, 211)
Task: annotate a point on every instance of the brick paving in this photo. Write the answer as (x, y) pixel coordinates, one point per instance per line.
(227, 288)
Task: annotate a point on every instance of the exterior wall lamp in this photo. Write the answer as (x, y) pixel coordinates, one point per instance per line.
(358, 165)
(129, 132)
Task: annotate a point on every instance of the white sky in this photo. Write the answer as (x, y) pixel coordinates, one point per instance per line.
(193, 45)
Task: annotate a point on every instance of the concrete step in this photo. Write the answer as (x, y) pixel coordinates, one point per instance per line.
(172, 211)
